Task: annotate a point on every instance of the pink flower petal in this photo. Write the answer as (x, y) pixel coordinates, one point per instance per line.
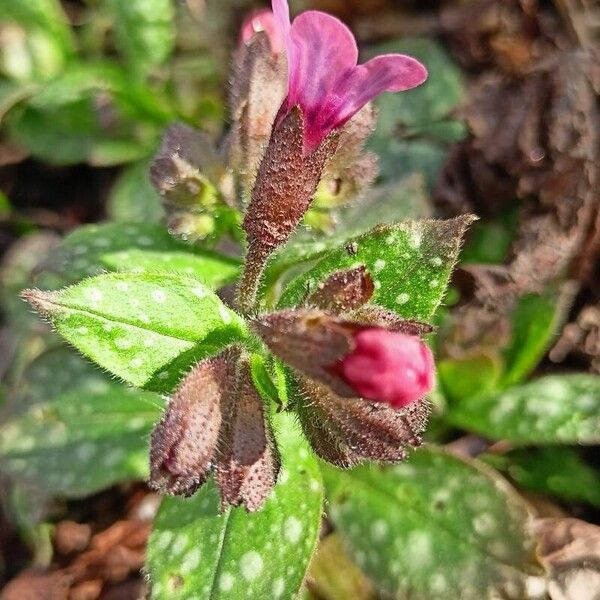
(264, 20)
(385, 73)
(281, 11)
(323, 76)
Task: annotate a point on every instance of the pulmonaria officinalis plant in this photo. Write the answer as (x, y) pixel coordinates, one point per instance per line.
(337, 344)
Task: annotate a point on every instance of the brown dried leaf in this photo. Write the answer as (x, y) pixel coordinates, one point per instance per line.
(535, 137)
(71, 537)
(581, 337)
(583, 17)
(570, 550)
(542, 133)
(183, 444)
(508, 35)
(33, 586)
(248, 462)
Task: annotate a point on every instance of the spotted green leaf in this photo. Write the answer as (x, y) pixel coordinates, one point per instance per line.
(55, 372)
(93, 249)
(143, 327)
(434, 527)
(557, 409)
(196, 552)
(83, 440)
(410, 264)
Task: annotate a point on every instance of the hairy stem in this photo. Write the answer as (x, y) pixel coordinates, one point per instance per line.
(249, 284)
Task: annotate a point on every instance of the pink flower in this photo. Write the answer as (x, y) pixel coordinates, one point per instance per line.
(389, 367)
(324, 78)
(263, 20)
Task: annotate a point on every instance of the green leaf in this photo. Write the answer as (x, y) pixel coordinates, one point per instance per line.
(557, 409)
(85, 81)
(413, 127)
(194, 551)
(535, 321)
(468, 376)
(145, 31)
(53, 373)
(92, 249)
(47, 43)
(410, 263)
(133, 199)
(435, 527)
(83, 440)
(262, 379)
(143, 327)
(72, 133)
(555, 470)
(400, 158)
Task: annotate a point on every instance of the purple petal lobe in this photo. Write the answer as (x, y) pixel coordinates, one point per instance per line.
(386, 73)
(323, 76)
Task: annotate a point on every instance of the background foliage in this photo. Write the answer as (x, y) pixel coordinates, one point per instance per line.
(502, 500)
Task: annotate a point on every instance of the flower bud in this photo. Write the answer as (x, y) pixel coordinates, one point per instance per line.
(342, 291)
(247, 457)
(183, 444)
(388, 367)
(284, 188)
(348, 431)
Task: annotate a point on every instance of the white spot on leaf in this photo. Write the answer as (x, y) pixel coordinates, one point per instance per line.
(402, 298)
(379, 530)
(226, 582)
(191, 561)
(293, 529)
(251, 565)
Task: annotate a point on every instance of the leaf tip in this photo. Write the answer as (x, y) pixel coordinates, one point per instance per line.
(40, 300)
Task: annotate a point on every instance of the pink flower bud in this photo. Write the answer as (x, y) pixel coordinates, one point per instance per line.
(263, 20)
(389, 367)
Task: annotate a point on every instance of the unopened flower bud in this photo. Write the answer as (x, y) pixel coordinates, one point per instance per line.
(388, 367)
(183, 444)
